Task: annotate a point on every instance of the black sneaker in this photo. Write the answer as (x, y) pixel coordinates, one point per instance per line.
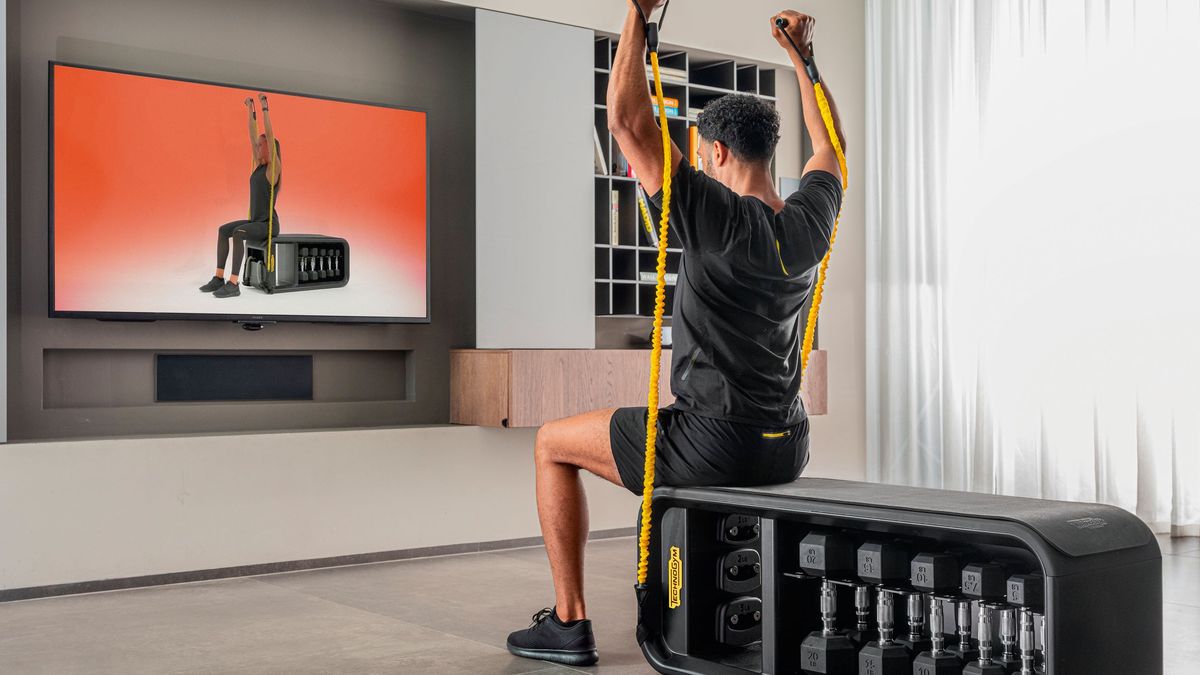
(227, 291)
(549, 639)
(212, 285)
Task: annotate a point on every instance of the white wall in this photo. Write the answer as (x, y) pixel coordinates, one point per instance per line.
(89, 510)
(534, 190)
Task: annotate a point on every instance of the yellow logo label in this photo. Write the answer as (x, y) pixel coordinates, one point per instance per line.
(674, 578)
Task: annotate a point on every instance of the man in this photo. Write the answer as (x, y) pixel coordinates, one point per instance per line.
(749, 262)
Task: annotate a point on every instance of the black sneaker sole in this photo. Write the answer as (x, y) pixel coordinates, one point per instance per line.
(586, 657)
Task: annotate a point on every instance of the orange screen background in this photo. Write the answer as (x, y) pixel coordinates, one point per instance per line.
(146, 169)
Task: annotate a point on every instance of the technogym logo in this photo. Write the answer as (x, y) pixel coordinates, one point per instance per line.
(674, 579)
(1089, 523)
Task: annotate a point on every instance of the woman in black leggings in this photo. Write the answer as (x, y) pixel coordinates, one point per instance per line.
(262, 205)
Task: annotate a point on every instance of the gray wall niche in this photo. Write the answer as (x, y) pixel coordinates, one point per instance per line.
(355, 49)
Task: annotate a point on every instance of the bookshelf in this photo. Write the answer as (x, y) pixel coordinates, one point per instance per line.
(625, 255)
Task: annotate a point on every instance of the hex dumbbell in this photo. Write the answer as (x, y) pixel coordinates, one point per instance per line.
(939, 575)
(829, 651)
(1026, 592)
(884, 565)
(985, 583)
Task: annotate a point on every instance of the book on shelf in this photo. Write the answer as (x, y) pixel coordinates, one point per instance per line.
(614, 218)
(672, 75)
(621, 167)
(671, 112)
(652, 277)
(694, 146)
(598, 159)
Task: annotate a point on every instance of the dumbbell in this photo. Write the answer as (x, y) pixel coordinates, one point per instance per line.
(829, 557)
(323, 264)
(985, 664)
(986, 583)
(303, 264)
(915, 641)
(939, 575)
(739, 571)
(864, 599)
(884, 564)
(1026, 593)
(337, 263)
(862, 633)
(738, 529)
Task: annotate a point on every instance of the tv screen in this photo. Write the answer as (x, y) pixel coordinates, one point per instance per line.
(160, 189)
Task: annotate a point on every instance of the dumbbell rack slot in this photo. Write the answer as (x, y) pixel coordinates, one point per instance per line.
(1077, 548)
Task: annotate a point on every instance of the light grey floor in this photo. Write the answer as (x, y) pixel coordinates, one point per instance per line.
(434, 616)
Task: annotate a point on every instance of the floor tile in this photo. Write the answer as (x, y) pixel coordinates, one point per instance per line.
(1181, 579)
(1181, 636)
(1178, 545)
(234, 626)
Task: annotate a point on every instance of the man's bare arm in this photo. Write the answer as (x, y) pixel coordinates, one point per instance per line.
(800, 28)
(630, 118)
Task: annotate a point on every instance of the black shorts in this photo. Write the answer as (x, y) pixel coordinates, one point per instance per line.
(693, 450)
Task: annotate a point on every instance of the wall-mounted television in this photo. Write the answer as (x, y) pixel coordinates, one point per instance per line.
(157, 182)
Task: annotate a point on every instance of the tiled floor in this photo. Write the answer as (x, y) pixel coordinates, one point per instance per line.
(435, 616)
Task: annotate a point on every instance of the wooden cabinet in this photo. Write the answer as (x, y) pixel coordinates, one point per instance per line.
(529, 387)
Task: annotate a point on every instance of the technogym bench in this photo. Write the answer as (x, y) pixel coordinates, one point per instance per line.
(824, 576)
(302, 262)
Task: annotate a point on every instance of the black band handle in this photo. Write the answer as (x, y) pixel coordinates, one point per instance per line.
(651, 28)
(810, 63)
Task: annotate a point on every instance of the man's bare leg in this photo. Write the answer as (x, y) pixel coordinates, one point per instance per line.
(564, 447)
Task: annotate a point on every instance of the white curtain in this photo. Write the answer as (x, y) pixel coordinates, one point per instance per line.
(1033, 250)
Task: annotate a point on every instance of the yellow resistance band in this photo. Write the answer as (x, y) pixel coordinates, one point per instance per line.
(810, 326)
(660, 301)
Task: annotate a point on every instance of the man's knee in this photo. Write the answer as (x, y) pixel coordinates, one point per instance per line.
(543, 444)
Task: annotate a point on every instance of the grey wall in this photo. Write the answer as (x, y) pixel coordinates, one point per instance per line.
(357, 49)
(534, 258)
(4, 240)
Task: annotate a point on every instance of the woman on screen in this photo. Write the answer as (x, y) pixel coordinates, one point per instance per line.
(264, 192)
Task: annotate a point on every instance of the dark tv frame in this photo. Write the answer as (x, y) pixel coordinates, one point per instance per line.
(250, 319)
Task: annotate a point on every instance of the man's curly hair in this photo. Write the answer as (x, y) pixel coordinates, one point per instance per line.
(748, 126)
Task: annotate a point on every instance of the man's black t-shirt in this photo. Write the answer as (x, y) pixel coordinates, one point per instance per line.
(745, 275)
